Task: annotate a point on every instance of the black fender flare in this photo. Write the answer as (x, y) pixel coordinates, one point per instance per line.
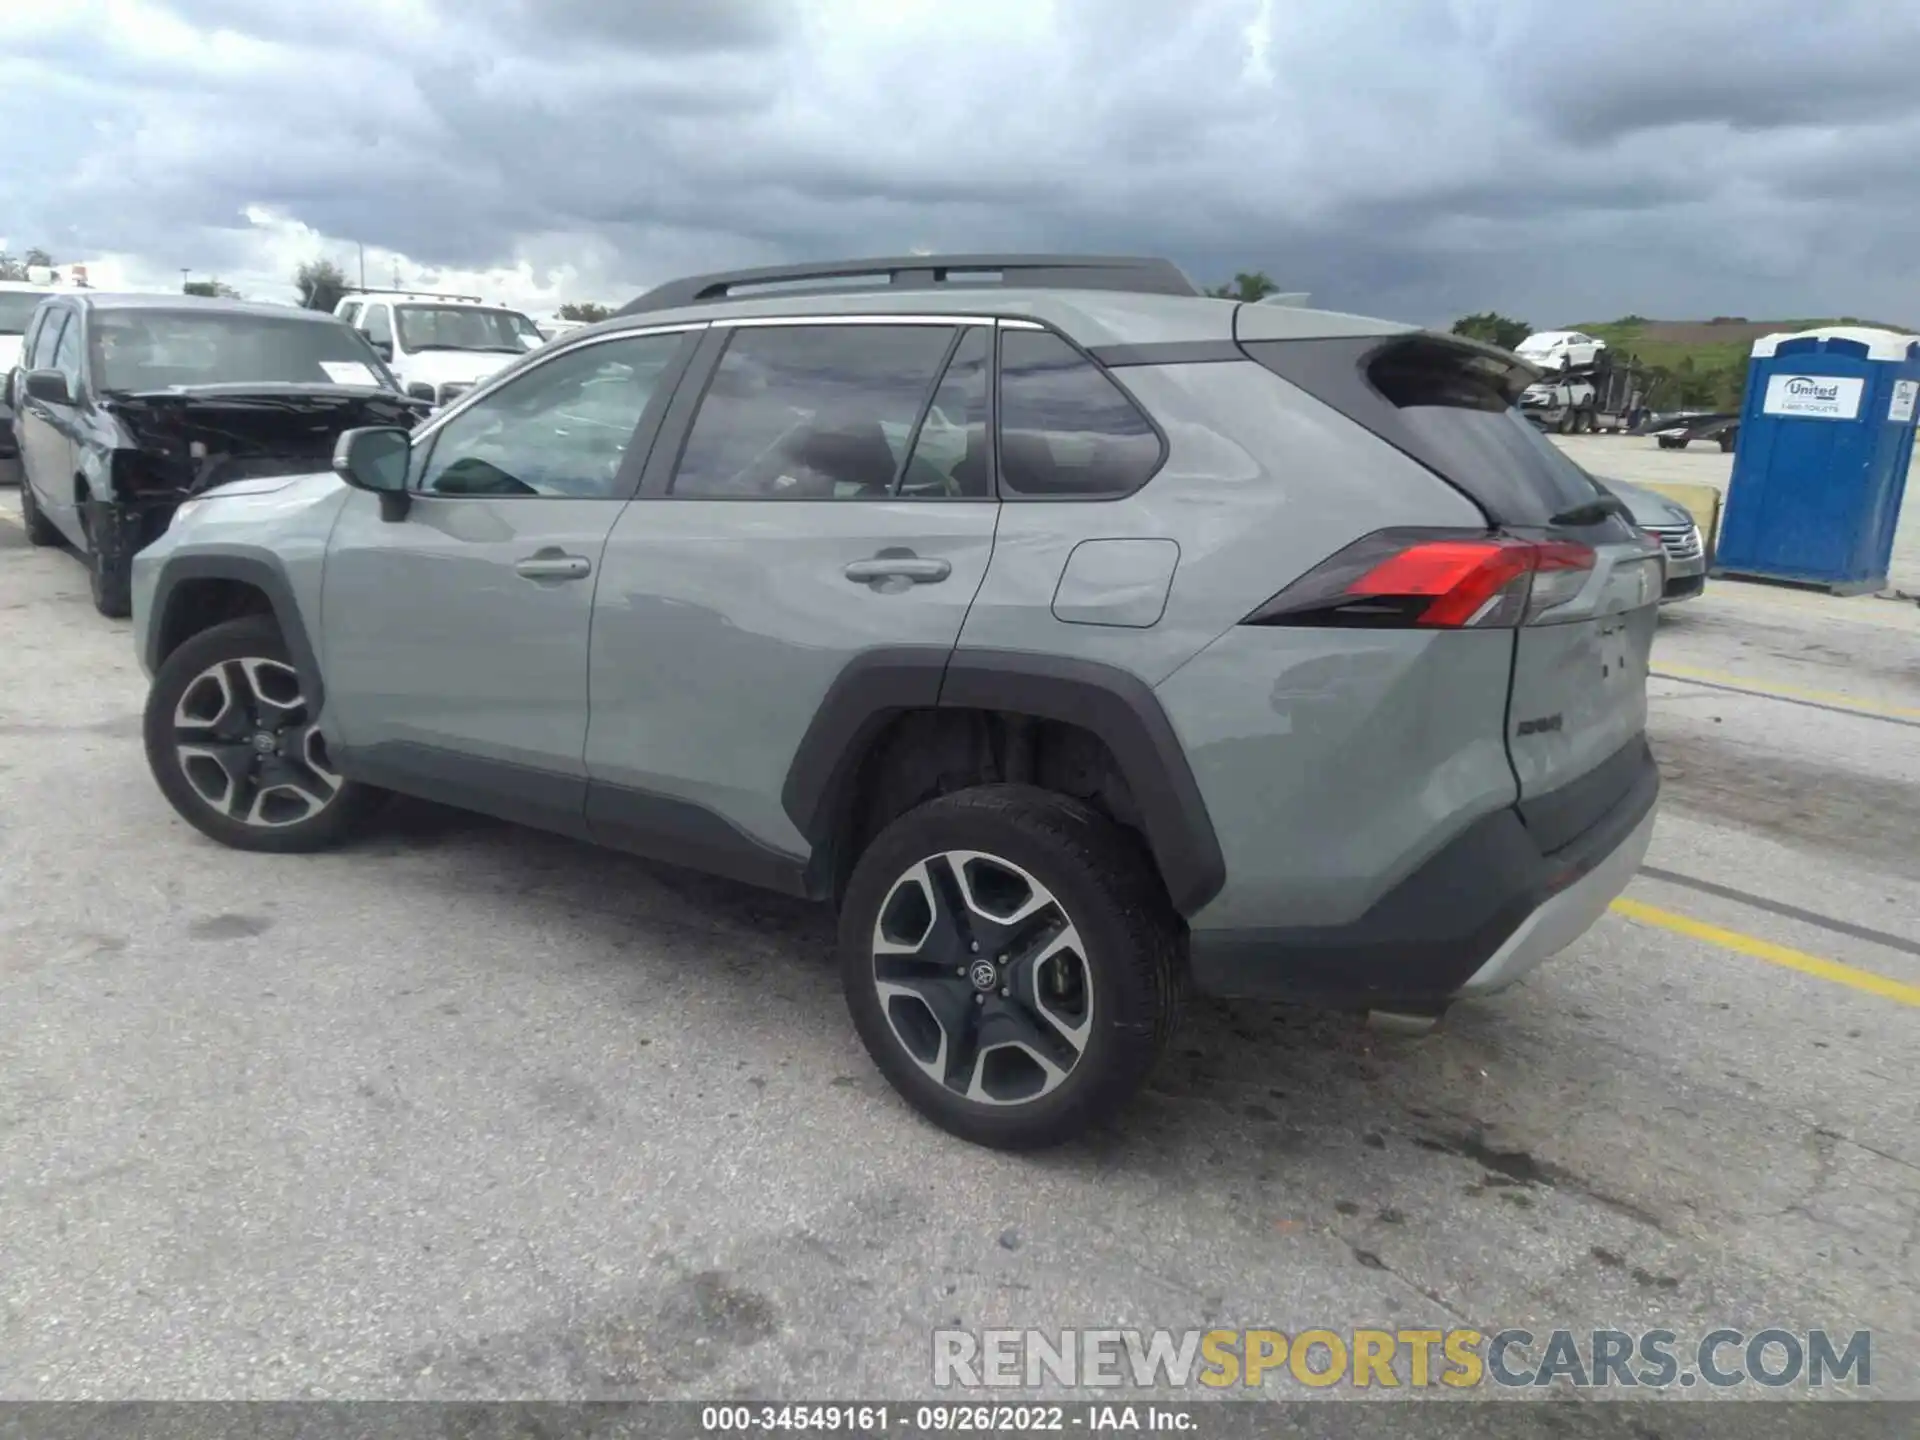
(1114, 704)
(244, 565)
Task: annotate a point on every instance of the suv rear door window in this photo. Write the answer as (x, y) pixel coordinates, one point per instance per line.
(811, 412)
(1066, 430)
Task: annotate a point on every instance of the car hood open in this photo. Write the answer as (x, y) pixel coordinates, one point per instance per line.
(187, 438)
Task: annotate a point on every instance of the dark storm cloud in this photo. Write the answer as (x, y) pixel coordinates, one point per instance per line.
(1415, 157)
(1758, 65)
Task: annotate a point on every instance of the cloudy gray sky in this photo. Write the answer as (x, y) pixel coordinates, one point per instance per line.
(1413, 158)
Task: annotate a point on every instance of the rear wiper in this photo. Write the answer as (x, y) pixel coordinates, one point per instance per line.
(1593, 512)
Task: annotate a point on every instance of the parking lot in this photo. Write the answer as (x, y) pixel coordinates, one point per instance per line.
(469, 1111)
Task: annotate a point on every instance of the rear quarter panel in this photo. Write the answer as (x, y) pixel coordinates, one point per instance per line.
(1334, 762)
(1261, 483)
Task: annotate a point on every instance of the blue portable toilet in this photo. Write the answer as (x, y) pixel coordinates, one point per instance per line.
(1826, 431)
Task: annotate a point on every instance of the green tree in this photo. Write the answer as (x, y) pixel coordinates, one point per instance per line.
(14, 267)
(1249, 287)
(210, 290)
(321, 284)
(1494, 328)
(585, 310)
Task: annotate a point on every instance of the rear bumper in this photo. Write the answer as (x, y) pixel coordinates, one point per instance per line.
(1478, 915)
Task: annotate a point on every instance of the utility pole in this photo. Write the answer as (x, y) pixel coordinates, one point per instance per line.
(184, 274)
(363, 265)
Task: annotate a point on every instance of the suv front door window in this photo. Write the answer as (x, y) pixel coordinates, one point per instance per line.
(457, 636)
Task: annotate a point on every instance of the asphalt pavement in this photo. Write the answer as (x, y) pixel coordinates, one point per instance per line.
(470, 1111)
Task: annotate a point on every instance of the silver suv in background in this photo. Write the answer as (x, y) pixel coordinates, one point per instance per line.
(1085, 640)
(1673, 525)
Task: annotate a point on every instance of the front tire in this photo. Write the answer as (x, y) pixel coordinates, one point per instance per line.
(109, 561)
(231, 741)
(1011, 963)
(39, 529)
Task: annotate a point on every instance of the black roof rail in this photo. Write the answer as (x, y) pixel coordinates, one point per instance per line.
(1139, 274)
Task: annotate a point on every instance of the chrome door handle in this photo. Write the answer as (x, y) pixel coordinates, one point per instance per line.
(552, 565)
(898, 567)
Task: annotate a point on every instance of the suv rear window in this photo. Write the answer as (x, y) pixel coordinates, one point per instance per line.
(1448, 405)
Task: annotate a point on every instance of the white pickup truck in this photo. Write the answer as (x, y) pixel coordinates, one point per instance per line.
(439, 346)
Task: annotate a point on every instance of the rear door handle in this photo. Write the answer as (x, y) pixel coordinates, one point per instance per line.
(553, 565)
(898, 567)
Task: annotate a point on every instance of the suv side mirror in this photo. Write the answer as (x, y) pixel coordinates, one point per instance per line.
(382, 348)
(376, 458)
(51, 386)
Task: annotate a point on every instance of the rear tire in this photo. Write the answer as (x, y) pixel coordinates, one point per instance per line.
(1672, 444)
(212, 701)
(39, 529)
(1011, 963)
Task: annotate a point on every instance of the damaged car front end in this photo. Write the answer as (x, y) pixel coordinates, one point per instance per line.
(155, 400)
(156, 449)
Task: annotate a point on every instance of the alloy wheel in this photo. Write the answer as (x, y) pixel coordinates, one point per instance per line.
(983, 978)
(248, 746)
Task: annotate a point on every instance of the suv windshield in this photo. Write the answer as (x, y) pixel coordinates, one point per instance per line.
(154, 349)
(464, 327)
(16, 309)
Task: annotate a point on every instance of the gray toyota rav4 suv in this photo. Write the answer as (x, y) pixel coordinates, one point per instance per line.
(1085, 640)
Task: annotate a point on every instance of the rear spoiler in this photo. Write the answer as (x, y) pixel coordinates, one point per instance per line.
(1499, 369)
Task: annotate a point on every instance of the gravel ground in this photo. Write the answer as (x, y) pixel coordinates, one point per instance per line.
(469, 1111)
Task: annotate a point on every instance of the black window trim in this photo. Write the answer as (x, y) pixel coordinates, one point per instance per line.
(65, 312)
(77, 315)
(926, 407)
(640, 444)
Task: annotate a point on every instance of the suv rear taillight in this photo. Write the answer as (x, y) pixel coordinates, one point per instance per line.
(1445, 579)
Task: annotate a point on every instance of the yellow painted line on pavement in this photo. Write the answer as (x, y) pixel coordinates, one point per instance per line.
(1758, 949)
(1839, 699)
